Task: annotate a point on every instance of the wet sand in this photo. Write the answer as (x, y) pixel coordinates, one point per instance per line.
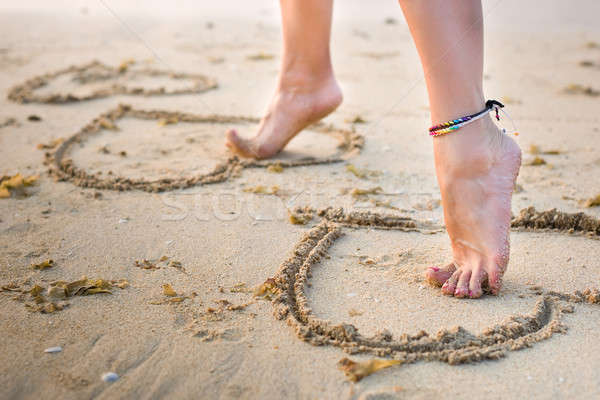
(126, 206)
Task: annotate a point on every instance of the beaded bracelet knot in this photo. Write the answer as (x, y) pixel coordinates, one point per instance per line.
(452, 125)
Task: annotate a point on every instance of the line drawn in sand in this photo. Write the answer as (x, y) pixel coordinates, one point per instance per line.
(287, 292)
(96, 72)
(64, 169)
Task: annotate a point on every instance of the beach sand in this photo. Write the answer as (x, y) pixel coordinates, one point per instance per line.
(214, 244)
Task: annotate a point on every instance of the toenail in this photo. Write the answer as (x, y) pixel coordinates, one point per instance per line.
(470, 293)
(435, 269)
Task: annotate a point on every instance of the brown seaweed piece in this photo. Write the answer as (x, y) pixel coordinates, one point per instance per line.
(64, 290)
(43, 265)
(64, 169)
(576, 88)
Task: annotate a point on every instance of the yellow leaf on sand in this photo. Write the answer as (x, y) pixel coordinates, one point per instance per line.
(355, 371)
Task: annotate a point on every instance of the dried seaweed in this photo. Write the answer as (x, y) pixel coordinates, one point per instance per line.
(358, 193)
(537, 161)
(64, 169)
(36, 297)
(240, 287)
(275, 168)
(267, 290)
(593, 202)
(362, 173)
(168, 290)
(50, 145)
(355, 371)
(356, 120)
(575, 88)
(535, 149)
(146, 264)
(16, 185)
(43, 265)
(260, 189)
(96, 71)
(171, 296)
(260, 57)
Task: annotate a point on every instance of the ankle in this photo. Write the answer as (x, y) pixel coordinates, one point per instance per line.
(470, 150)
(304, 80)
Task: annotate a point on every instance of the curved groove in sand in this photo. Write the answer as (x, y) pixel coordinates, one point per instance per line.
(64, 169)
(97, 71)
(453, 346)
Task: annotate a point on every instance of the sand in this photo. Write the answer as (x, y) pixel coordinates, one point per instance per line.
(182, 259)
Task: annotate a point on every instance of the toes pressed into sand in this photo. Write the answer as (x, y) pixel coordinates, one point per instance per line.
(438, 276)
(242, 147)
(466, 281)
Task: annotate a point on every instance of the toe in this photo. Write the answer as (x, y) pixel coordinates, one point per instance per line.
(462, 287)
(477, 276)
(450, 286)
(238, 145)
(494, 280)
(438, 276)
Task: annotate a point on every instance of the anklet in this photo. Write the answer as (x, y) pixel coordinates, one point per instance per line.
(447, 127)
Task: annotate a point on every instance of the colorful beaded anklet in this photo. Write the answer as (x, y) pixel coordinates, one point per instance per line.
(447, 127)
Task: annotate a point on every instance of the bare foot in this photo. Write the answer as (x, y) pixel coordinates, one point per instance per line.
(292, 109)
(476, 167)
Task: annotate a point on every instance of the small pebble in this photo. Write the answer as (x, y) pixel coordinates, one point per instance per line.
(56, 349)
(351, 294)
(123, 220)
(109, 377)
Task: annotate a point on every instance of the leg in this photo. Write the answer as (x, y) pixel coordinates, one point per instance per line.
(477, 165)
(307, 90)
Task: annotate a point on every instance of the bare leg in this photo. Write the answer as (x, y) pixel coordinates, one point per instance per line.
(307, 90)
(477, 165)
